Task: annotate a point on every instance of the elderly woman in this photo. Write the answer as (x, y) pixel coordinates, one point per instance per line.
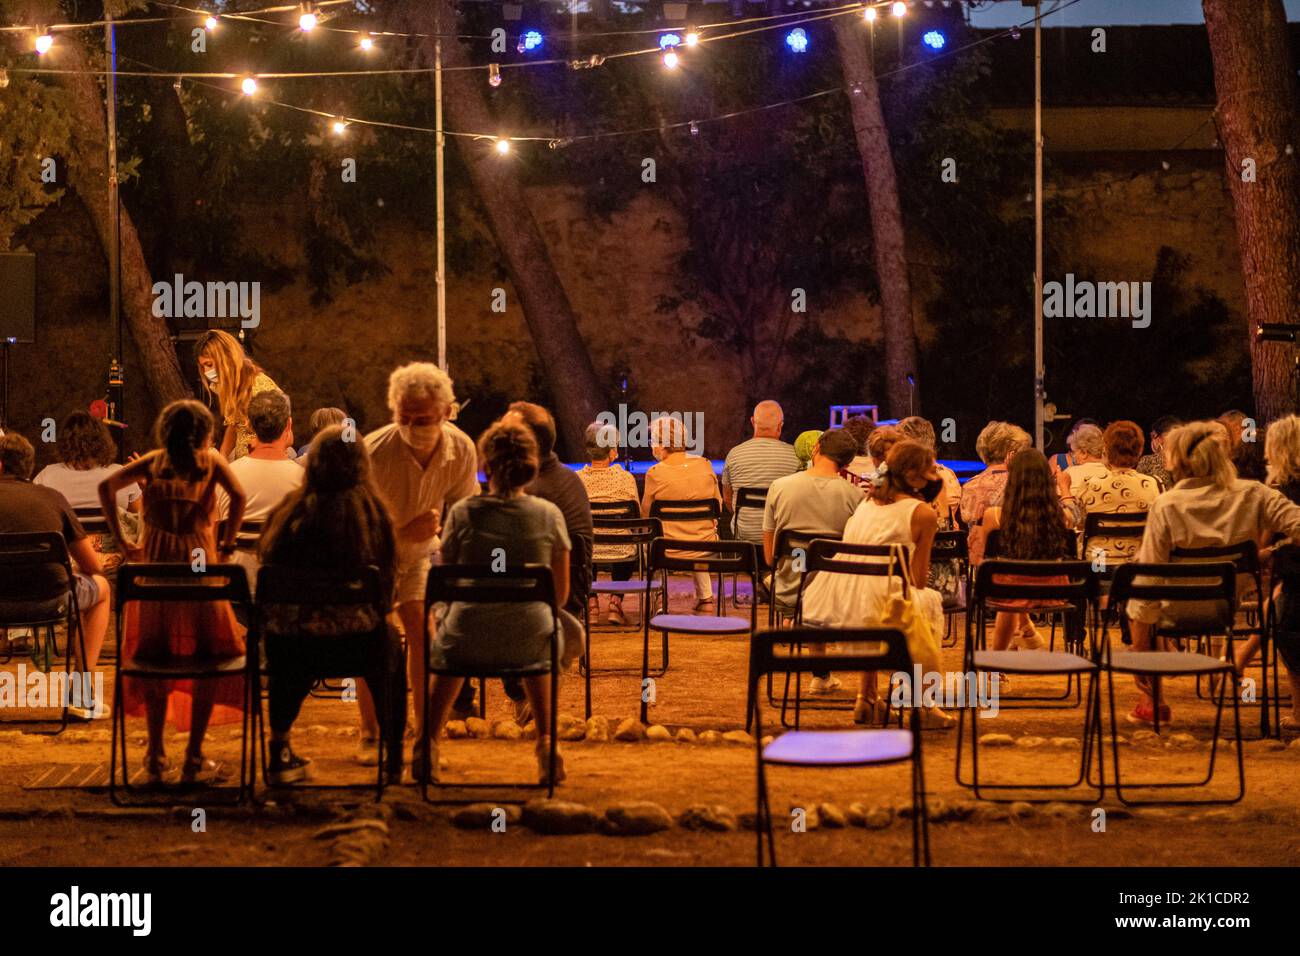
(1209, 506)
(996, 445)
(1120, 489)
(1088, 451)
(861, 467)
(605, 480)
(682, 477)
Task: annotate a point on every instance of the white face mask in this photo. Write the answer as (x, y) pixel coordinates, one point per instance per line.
(211, 375)
(420, 437)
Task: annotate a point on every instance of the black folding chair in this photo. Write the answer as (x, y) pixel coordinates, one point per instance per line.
(480, 584)
(669, 510)
(171, 584)
(615, 509)
(92, 519)
(1077, 591)
(720, 557)
(876, 648)
(1212, 588)
(751, 499)
(993, 549)
(364, 651)
(832, 556)
(638, 533)
(952, 546)
(1115, 525)
(42, 609)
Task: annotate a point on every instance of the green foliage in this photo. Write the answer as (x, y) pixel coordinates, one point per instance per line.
(35, 121)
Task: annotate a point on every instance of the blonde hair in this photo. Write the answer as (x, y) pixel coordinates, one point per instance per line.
(1282, 449)
(1193, 451)
(419, 380)
(1000, 441)
(668, 432)
(236, 373)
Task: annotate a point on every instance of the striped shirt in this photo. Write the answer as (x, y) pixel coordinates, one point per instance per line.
(756, 464)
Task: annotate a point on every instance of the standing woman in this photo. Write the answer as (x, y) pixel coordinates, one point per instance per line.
(180, 480)
(233, 378)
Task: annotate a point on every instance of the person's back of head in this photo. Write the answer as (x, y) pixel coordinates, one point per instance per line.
(1031, 521)
(768, 419)
(1162, 426)
(540, 421)
(1282, 451)
(838, 446)
(1087, 440)
(183, 429)
(324, 417)
(860, 427)
(17, 457)
(84, 442)
(905, 466)
(918, 429)
(601, 441)
(1123, 442)
(804, 445)
(509, 455)
(1198, 450)
(881, 440)
(268, 415)
(1000, 441)
(667, 436)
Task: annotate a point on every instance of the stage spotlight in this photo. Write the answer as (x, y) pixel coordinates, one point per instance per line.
(797, 40)
(934, 39)
(530, 41)
(669, 40)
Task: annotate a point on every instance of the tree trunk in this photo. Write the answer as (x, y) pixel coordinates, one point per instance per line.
(566, 364)
(88, 177)
(1258, 116)
(886, 218)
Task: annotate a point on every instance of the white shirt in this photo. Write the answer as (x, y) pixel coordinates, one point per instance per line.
(81, 488)
(266, 482)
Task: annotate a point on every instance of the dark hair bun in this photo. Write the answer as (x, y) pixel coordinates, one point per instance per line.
(509, 455)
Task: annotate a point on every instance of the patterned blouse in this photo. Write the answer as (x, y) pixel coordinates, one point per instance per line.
(981, 492)
(244, 431)
(1118, 491)
(613, 483)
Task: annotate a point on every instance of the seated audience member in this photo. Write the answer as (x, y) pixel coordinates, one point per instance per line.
(1282, 454)
(1067, 459)
(1032, 525)
(1208, 506)
(25, 508)
(1087, 449)
(266, 474)
(681, 477)
(1154, 463)
(335, 522)
(894, 514)
(531, 531)
(945, 576)
(180, 480)
(861, 468)
(816, 501)
(996, 445)
(757, 463)
(1247, 456)
(1121, 490)
(803, 446)
(87, 456)
(606, 480)
(320, 420)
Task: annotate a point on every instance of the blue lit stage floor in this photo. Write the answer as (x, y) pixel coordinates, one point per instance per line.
(964, 469)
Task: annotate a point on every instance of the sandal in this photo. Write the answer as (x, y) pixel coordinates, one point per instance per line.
(704, 604)
(198, 769)
(155, 765)
(868, 711)
(616, 616)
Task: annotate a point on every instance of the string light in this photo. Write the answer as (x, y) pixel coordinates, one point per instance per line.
(367, 43)
(900, 9)
(869, 14)
(502, 145)
(43, 42)
(670, 60)
(248, 85)
(210, 24)
(797, 40)
(339, 127)
(494, 74)
(692, 38)
(308, 20)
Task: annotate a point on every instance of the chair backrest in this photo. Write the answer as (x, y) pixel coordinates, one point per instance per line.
(626, 531)
(685, 509)
(716, 557)
(92, 519)
(825, 554)
(1175, 582)
(1117, 524)
(1244, 555)
(481, 584)
(180, 582)
(33, 551)
(950, 546)
(886, 649)
(1060, 581)
(787, 541)
(615, 509)
(752, 498)
(992, 543)
(250, 532)
(312, 587)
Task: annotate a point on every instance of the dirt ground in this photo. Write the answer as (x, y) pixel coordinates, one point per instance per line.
(703, 690)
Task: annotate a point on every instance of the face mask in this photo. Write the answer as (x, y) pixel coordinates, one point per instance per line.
(211, 375)
(930, 490)
(419, 437)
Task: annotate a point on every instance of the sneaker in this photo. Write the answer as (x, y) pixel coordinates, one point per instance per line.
(1144, 713)
(616, 617)
(287, 766)
(544, 761)
(824, 685)
(1029, 640)
(85, 713)
(368, 752)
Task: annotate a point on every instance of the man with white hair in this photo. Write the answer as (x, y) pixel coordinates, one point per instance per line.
(422, 464)
(757, 463)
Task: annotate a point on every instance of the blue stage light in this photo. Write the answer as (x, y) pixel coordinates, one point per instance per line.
(669, 40)
(530, 40)
(797, 40)
(934, 40)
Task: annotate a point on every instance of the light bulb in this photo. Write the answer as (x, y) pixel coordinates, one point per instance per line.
(869, 14)
(367, 43)
(210, 24)
(43, 43)
(339, 127)
(307, 21)
(502, 146)
(692, 38)
(670, 60)
(249, 86)
(900, 9)
(494, 74)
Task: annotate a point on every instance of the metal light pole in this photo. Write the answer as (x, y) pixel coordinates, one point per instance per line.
(439, 144)
(116, 412)
(1040, 387)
